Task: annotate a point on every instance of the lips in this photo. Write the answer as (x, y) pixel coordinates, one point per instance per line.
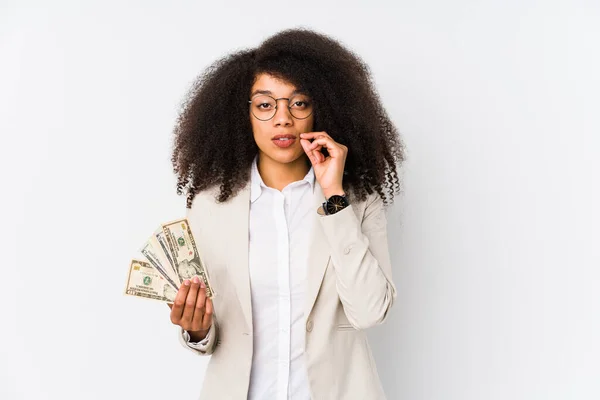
(284, 141)
(277, 137)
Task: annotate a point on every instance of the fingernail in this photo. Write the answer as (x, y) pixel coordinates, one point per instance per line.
(196, 280)
(202, 284)
(186, 282)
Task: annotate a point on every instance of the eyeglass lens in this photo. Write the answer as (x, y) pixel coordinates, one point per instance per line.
(264, 107)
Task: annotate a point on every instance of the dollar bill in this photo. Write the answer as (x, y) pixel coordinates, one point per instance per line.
(145, 281)
(149, 251)
(161, 241)
(185, 255)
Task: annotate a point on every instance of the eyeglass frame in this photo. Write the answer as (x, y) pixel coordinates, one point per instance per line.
(276, 105)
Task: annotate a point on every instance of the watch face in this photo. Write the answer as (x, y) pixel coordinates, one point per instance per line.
(336, 203)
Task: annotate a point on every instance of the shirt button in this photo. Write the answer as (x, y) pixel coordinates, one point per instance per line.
(347, 250)
(309, 325)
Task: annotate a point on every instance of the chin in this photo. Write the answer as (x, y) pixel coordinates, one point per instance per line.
(283, 158)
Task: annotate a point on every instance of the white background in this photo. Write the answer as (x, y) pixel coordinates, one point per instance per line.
(495, 241)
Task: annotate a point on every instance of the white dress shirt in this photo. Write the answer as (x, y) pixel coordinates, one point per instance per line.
(279, 230)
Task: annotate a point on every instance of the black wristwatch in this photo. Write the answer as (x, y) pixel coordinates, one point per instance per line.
(334, 204)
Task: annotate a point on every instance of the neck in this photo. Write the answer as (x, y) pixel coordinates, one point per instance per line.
(277, 175)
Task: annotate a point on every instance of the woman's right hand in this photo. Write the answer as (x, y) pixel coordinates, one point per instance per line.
(192, 310)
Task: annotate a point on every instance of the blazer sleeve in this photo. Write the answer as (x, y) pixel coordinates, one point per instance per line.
(205, 347)
(361, 259)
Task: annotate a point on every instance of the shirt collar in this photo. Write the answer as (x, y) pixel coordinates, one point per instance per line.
(257, 184)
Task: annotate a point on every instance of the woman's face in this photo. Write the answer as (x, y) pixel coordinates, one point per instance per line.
(269, 132)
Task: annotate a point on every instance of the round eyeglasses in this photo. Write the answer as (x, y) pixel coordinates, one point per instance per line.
(264, 107)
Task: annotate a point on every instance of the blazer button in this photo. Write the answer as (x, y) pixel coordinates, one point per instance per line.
(309, 325)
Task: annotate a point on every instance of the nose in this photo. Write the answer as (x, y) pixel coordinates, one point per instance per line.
(282, 117)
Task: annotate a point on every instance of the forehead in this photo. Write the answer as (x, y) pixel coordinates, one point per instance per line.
(266, 83)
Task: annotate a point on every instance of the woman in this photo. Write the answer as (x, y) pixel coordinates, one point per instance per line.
(287, 159)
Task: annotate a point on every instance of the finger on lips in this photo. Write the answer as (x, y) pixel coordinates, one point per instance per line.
(321, 139)
(311, 135)
(329, 144)
(320, 143)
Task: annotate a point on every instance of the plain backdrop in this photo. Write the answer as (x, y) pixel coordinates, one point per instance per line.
(494, 241)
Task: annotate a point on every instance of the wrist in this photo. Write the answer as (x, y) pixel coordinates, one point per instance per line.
(338, 191)
(197, 336)
(334, 204)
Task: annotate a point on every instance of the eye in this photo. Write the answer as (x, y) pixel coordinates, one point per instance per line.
(300, 104)
(264, 106)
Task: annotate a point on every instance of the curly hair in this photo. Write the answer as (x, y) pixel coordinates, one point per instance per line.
(213, 140)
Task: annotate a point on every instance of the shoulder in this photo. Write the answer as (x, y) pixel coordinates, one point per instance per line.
(371, 209)
(207, 201)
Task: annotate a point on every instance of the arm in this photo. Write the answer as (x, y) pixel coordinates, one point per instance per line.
(360, 256)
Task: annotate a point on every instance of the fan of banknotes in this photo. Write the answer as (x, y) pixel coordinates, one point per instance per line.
(169, 257)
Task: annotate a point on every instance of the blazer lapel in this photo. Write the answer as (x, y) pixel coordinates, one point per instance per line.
(237, 236)
(318, 256)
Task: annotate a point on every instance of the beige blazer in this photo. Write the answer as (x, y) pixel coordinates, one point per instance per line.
(349, 289)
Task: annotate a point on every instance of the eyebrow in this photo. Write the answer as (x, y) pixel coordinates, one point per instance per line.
(259, 91)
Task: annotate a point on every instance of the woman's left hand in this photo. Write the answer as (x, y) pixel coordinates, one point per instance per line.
(329, 171)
